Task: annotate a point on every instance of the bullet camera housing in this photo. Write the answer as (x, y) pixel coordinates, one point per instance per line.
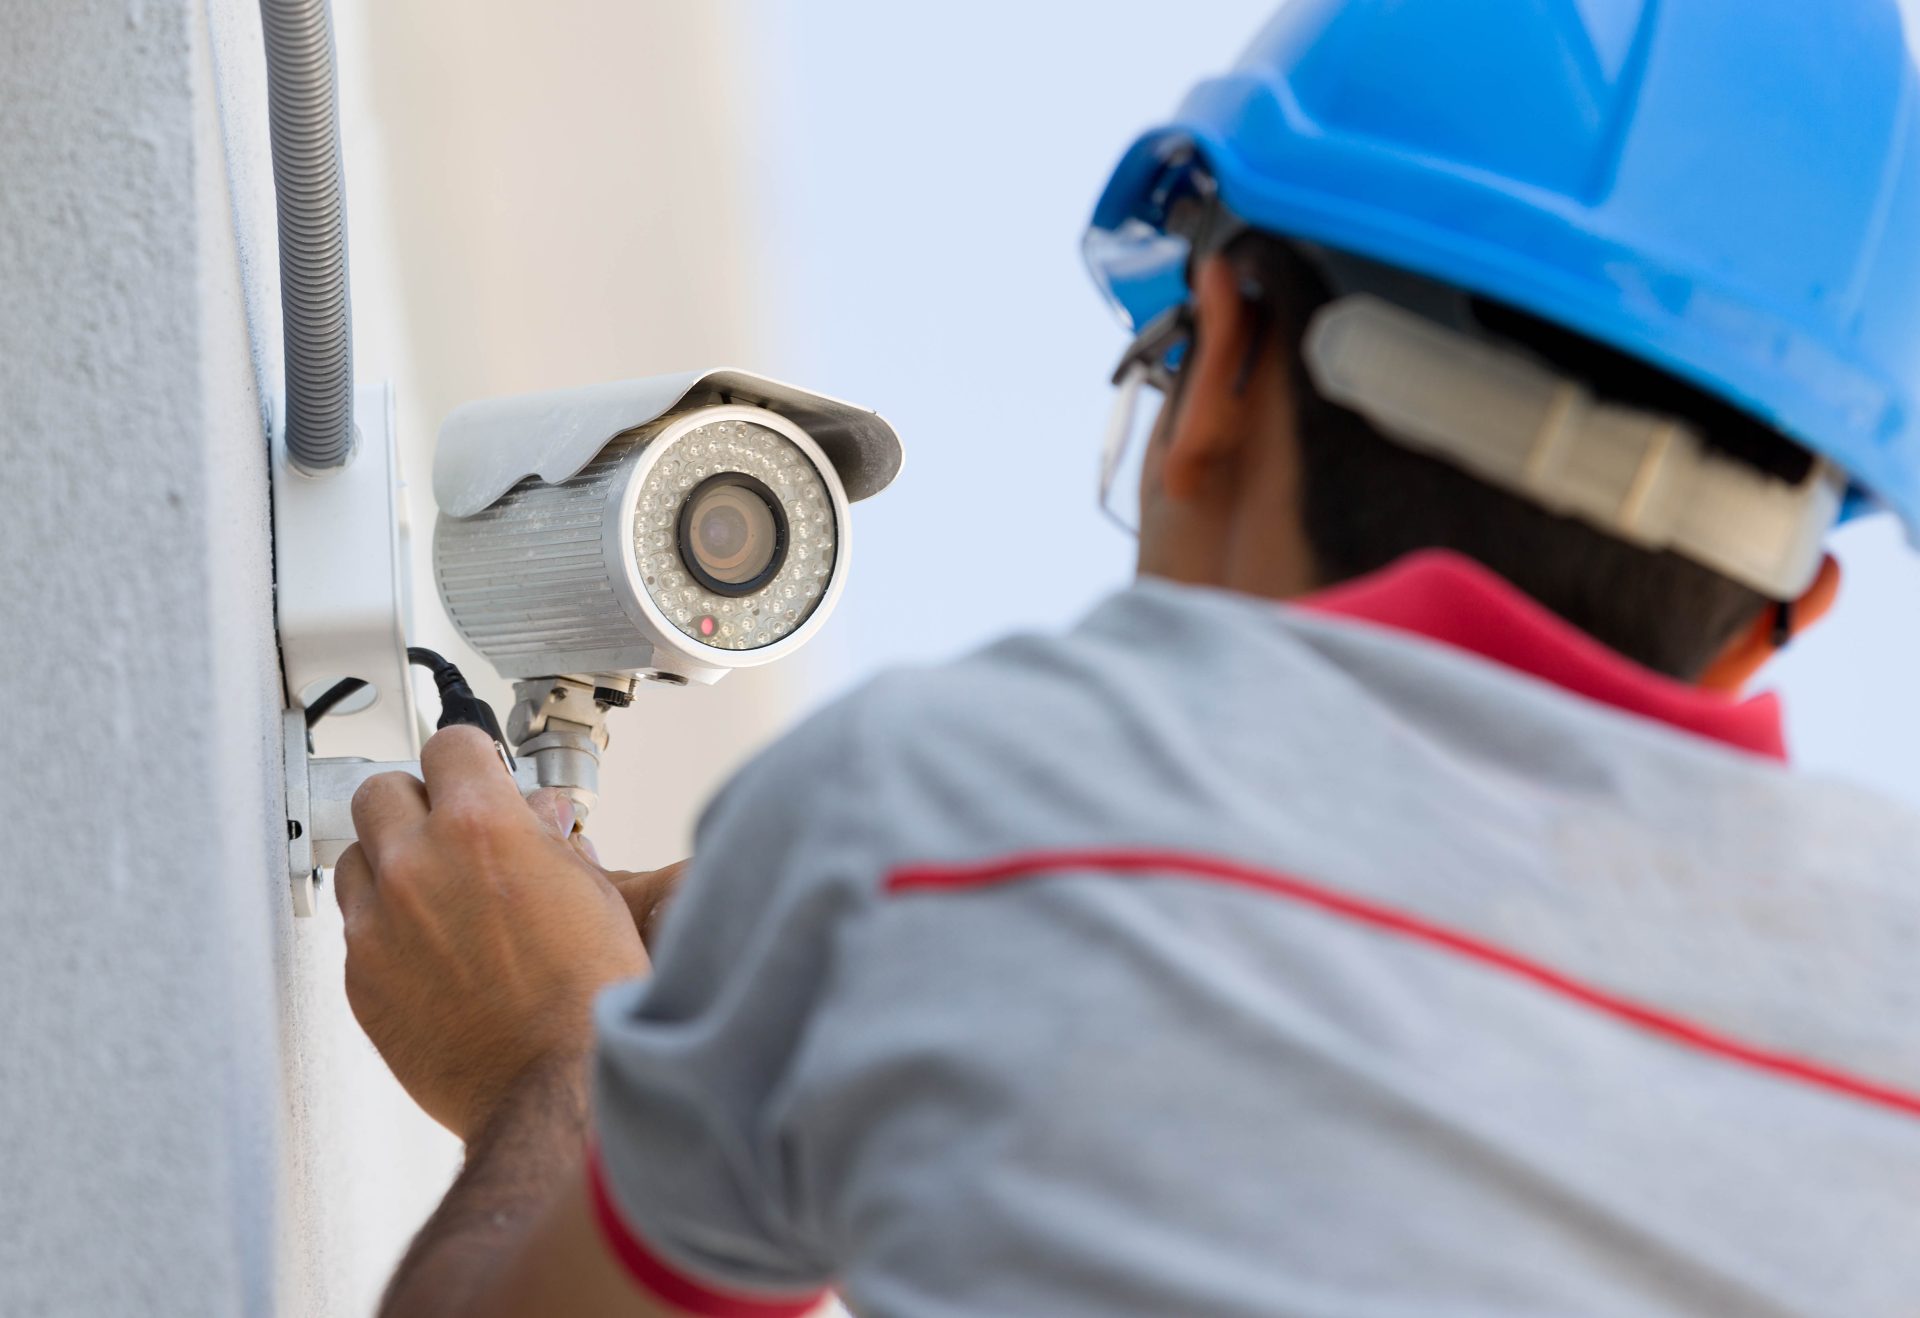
(674, 528)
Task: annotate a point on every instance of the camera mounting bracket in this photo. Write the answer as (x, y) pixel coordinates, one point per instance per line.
(342, 605)
(558, 727)
(341, 582)
(320, 805)
(559, 724)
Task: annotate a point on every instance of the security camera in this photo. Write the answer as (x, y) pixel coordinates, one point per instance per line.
(669, 529)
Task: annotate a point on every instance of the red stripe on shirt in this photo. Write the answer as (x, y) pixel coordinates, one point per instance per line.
(664, 1281)
(1674, 1029)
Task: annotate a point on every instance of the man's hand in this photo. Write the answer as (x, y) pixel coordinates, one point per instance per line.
(646, 891)
(477, 936)
(646, 894)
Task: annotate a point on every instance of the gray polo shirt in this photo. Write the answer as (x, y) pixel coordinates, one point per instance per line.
(1406, 953)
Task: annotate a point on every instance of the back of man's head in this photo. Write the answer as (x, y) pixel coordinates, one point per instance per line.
(1368, 500)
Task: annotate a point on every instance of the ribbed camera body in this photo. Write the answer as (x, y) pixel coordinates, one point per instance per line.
(705, 540)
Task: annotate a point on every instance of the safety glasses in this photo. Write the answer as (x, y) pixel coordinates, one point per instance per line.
(1141, 259)
(1145, 377)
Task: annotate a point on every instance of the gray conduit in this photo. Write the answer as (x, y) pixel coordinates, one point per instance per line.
(310, 193)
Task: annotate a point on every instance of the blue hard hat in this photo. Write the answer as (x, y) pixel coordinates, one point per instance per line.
(1728, 189)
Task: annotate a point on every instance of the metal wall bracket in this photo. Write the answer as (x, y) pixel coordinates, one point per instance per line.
(302, 870)
(320, 806)
(341, 574)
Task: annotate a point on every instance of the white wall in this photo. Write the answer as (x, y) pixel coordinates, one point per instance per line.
(139, 924)
(190, 1122)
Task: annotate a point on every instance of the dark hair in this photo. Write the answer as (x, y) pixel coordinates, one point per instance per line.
(1368, 500)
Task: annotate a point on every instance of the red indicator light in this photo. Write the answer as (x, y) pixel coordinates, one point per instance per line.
(707, 625)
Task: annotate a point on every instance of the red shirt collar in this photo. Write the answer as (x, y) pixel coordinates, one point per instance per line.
(1453, 600)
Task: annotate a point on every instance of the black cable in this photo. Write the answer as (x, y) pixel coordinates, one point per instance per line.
(332, 696)
(458, 704)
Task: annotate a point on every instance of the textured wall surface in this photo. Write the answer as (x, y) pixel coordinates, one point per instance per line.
(139, 1073)
(190, 1122)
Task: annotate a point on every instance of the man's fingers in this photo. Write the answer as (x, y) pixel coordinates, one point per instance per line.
(554, 809)
(352, 882)
(647, 895)
(462, 765)
(387, 806)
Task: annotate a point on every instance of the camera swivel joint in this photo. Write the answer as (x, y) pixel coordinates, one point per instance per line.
(560, 723)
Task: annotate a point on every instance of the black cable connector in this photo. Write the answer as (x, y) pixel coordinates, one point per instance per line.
(458, 704)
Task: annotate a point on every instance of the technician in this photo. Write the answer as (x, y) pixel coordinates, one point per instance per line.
(1386, 906)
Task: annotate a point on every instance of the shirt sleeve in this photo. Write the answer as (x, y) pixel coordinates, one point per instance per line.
(694, 1171)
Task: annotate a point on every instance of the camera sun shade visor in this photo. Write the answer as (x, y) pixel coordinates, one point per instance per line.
(486, 448)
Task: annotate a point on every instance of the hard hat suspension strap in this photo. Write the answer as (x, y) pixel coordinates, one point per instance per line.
(1518, 424)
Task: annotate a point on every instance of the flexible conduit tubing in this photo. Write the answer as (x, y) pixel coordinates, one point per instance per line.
(310, 195)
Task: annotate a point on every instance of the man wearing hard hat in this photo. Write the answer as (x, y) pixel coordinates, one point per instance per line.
(1386, 906)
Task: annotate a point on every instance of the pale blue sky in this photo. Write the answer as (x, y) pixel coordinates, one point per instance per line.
(924, 173)
(928, 170)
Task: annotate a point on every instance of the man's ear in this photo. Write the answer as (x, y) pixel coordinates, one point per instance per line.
(1213, 417)
(1760, 642)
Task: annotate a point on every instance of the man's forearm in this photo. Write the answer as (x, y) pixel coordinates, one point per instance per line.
(524, 1156)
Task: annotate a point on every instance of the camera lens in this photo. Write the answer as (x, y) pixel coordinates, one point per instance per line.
(733, 533)
(737, 533)
(720, 531)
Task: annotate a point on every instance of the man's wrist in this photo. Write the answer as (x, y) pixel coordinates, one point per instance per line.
(551, 1091)
(525, 1147)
